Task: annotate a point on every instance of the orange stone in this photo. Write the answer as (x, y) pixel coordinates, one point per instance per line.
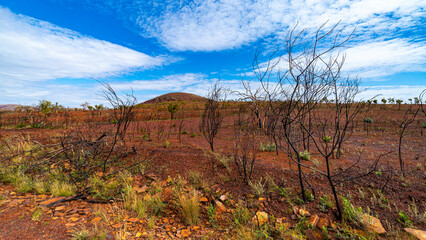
(185, 232)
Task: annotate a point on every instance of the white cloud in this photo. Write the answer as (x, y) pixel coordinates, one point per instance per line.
(403, 92)
(34, 50)
(383, 58)
(372, 59)
(176, 82)
(209, 25)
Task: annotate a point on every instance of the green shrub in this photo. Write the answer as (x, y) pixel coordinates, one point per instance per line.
(38, 212)
(184, 132)
(20, 125)
(325, 203)
(268, 147)
(104, 189)
(368, 120)
(24, 185)
(62, 189)
(404, 219)
(155, 206)
(350, 213)
(196, 179)
(305, 155)
(40, 187)
(242, 215)
(326, 139)
(211, 212)
(193, 135)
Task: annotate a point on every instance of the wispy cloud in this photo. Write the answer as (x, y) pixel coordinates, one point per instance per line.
(34, 50)
(175, 82)
(383, 58)
(211, 25)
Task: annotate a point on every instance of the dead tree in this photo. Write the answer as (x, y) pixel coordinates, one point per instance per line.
(212, 117)
(312, 72)
(408, 118)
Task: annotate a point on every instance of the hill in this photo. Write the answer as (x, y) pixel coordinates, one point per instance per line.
(8, 107)
(175, 96)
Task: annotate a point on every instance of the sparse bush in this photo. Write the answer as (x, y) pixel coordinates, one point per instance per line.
(38, 212)
(190, 207)
(268, 147)
(20, 125)
(62, 189)
(40, 187)
(211, 212)
(242, 215)
(81, 234)
(258, 187)
(404, 219)
(368, 120)
(350, 213)
(305, 155)
(104, 189)
(196, 179)
(24, 185)
(325, 203)
(167, 144)
(326, 139)
(193, 135)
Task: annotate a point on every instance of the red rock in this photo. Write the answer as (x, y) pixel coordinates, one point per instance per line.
(313, 220)
(50, 201)
(418, 233)
(323, 222)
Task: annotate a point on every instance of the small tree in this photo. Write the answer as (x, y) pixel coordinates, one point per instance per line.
(384, 101)
(172, 108)
(399, 101)
(212, 117)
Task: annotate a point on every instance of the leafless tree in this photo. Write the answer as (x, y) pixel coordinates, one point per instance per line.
(312, 72)
(408, 118)
(213, 115)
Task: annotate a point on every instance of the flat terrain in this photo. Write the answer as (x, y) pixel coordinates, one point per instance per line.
(173, 154)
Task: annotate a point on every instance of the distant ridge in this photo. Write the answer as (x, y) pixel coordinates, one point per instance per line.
(176, 96)
(8, 107)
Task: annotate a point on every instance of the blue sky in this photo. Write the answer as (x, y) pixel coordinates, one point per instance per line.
(58, 50)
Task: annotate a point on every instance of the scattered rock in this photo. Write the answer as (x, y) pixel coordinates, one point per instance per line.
(219, 207)
(223, 198)
(418, 233)
(263, 199)
(323, 222)
(73, 219)
(372, 224)
(304, 213)
(185, 232)
(293, 217)
(133, 220)
(141, 189)
(314, 234)
(296, 210)
(261, 217)
(50, 201)
(300, 212)
(59, 208)
(151, 176)
(167, 194)
(313, 220)
(118, 225)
